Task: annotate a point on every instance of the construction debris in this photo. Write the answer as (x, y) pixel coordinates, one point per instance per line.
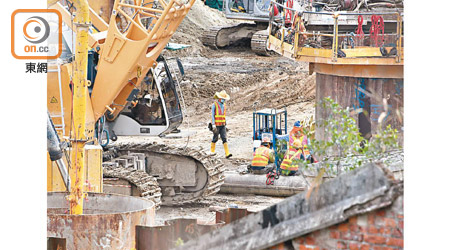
(361, 191)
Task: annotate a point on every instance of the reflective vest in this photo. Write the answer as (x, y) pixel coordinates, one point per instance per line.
(219, 114)
(261, 157)
(292, 138)
(304, 139)
(291, 154)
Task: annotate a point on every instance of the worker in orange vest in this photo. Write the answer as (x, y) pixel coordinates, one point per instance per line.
(262, 156)
(294, 152)
(219, 110)
(297, 133)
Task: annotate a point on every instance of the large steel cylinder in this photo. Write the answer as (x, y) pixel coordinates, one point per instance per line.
(108, 221)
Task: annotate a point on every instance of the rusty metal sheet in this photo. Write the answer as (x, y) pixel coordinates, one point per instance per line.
(370, 71)
(231, 214)
(56, 243)
(173, 234)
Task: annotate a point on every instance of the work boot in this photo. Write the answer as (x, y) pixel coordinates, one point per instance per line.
(227, 152)
(213, 147)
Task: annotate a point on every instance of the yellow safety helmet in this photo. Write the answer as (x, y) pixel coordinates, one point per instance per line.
(297, 143)
(222, 95)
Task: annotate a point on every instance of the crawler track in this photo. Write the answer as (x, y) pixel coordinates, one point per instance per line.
(209, 171)
(146, 184)
(222, 36)
(259, 43)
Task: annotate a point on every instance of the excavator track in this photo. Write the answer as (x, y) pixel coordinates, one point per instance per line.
(210, 37)
(165, 164)
(146, 184)
(222, 36)
(259, 43)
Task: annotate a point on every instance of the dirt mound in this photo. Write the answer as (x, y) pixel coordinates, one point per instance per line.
(199, 19)
(205, 17)
(283, 92)
(252, 82)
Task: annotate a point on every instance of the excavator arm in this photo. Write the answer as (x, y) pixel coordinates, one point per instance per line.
(128, 53)
(127, 48)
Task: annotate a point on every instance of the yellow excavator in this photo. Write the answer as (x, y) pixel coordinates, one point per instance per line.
(255, 13)
(111, 80)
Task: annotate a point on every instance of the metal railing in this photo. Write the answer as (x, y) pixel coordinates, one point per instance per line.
(340, 39)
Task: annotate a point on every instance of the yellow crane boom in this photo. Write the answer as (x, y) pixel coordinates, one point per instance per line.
(125, 56)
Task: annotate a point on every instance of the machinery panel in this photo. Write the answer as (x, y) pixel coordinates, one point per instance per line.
(175, 171)
(93, 173)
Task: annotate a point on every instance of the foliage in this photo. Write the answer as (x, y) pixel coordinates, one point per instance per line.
(344, 147)
(382, 142)
(281, 148)
(344, 137)
(179, 242)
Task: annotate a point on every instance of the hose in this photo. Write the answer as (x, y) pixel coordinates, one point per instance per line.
(55, 151)
(100, 130)
(107, 138)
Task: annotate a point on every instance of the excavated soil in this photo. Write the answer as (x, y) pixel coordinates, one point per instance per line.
(198, 20)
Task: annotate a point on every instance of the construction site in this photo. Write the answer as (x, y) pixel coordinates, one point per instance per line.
(234, 124)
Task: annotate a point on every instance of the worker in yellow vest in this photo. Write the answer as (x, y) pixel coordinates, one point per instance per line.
(294, 153)
(262, 156)
(219, 110)
(297, 133)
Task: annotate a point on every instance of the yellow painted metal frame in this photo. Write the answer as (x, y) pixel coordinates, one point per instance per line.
(98, 22)
(93, 173)
(359, 55)
(356, 56)
(54, 102)
(82, 23)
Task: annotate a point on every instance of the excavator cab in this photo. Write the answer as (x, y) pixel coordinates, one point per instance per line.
(155, 109)
(250, 10)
